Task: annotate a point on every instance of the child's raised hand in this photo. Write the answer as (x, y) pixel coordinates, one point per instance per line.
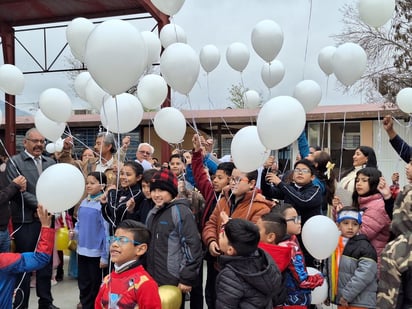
(384, 188)
(273, 178)
(336, 203)
(214, 248)
(224, 216)
(44, 216)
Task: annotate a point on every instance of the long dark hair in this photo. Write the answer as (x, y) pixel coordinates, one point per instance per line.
(322, 158)
(370, 154)
(374, 176)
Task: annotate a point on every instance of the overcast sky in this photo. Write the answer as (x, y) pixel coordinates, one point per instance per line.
(222, 22)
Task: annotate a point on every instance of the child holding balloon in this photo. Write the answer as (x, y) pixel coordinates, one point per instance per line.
(91, 231)
(299, 283)
(352, 268)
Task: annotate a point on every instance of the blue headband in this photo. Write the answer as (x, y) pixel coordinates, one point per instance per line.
(349, 214)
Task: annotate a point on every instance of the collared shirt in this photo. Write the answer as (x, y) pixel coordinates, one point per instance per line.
(102, 167)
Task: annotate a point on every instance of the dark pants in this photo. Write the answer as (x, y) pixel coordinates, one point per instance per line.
(89, 279)
(25, 239)
(196, 295)
(210, 289)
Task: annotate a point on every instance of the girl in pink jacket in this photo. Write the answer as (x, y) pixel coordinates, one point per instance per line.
(375, 220)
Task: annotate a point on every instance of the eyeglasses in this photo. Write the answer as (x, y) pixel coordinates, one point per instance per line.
(301, 171)
(121, 240)
(238, 179)
(145, 152)
(295, 220)
(36, 141)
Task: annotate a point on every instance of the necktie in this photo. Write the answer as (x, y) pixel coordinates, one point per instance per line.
(37, 160)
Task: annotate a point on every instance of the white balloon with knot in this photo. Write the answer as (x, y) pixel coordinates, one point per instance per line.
(170, 125)
(77, 33)
(376, 13)
(172, 33)
(251, 99)
(349, 63)
(168, 7)
(116, 55)
(11, 79)
(272, 73)
(121, 114)
(209, 57)
(80, 84)
(152, 91)
(48, 128)
(180, 66)
(325, 59)
(320, 228)
(153, 45)
(277, 116)
(308, 93)
(55, 104)
(237, 56)
(404, 100)
(60, 187)
(320, 293)
(248, 152)
(267, 39)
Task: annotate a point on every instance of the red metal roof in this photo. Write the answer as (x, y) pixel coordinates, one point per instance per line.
(32, 12)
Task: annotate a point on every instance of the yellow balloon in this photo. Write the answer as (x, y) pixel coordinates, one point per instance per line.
(62, 238)
(170, 296)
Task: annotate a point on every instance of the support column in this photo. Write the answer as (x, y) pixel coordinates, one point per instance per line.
(7, 38)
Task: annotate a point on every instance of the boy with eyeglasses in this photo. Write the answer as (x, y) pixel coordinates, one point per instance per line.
(301, 193)
(129, 285)
(299, 284)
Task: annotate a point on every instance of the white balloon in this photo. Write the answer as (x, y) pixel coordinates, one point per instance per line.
(116, 55)
(349, 63)
(325, 59)
(180, 67)
(58, 145)
(248, 152)
(237, 56)
(121, 114)
(404, 100)
(272, 73)
(152, 91)
(172, 33)
(308, 93)
(376, 13)
(320, 293)
(48, 128)
(94, 94)
(251, 99)
(11, 79)
(50, 148)
(80, 84)
(54, 184)
(277, 116)
(55, 104)
(320, 227)
(209, 57)
(77, 33)
(168, 7)
(267, 39)
(170, 124)
(153, 45)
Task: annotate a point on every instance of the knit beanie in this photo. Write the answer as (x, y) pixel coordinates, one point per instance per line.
(164, 180)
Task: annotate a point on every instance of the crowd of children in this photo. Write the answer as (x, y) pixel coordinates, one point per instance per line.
(157, 226)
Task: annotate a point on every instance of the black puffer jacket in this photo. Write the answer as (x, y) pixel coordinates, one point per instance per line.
(247, 282)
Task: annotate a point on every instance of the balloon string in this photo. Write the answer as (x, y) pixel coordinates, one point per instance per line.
(341, 147)
(323, 132)
(193, 115)
(379, 135)
(307, 39)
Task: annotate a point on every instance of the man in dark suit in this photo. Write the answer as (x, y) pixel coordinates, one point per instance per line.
(29, 163)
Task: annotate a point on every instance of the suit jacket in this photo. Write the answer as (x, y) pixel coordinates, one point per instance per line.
(22, 164)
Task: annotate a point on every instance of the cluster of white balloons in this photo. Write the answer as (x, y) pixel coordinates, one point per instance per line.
(348, 62)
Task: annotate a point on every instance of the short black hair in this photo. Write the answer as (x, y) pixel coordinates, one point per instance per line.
(226, 167)
(140, 231)
(148, 175)
(135, 166)
(275, 222)
(308, 163)
(101, 177)
(281, 208)
(242, 235)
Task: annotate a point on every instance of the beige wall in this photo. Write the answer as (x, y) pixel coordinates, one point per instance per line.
(366, 131)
